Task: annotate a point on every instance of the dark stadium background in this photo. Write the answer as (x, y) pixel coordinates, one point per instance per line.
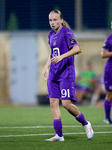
(33, 14)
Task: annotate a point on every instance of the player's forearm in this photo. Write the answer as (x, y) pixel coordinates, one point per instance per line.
(48, 62)
(75, 50)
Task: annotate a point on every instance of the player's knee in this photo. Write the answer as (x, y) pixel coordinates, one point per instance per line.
(65, 104)
(109, 96)
(53, 102)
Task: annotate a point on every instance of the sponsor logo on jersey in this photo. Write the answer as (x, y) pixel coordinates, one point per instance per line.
(72, 40)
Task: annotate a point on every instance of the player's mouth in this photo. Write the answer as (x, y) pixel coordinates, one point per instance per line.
(53, 26)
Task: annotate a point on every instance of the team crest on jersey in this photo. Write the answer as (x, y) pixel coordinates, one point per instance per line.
(54, 43)
(72, 40)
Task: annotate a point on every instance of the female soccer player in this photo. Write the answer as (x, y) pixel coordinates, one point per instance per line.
(107, 53)
(61, 76)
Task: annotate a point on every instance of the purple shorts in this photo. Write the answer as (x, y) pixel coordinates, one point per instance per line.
(108, 81)
(82, 88)
(63, 90)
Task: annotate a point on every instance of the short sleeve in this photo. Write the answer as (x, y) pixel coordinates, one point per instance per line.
(70, 38)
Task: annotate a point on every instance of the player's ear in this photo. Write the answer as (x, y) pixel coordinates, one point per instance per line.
(61, 21)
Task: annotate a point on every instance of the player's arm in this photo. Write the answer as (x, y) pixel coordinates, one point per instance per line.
(74, 50)
(105, 53)
(45, 71)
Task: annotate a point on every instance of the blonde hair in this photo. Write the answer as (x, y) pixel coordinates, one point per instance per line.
(64, 23)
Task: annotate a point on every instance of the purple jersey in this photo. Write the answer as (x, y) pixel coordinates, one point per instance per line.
(60, 43)
(108, 66)
(108, 46)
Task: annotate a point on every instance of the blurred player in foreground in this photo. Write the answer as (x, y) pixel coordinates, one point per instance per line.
(61, 76)
(107, 53)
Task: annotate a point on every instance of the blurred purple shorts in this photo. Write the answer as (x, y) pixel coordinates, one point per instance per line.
(82, 88)
(108, 81)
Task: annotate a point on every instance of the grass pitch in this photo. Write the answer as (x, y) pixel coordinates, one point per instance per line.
(25, 128)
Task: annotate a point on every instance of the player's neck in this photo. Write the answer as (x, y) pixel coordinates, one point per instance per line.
(57, 29)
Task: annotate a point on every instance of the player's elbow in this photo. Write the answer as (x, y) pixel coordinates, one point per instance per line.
(79, 50)
(76, 50)
(102, 55)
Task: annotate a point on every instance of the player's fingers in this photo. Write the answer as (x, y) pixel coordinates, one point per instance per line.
(44, 76)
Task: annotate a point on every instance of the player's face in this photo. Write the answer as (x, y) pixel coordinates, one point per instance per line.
(55, 21)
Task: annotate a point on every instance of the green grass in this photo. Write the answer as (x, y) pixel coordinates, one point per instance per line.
(13, 121)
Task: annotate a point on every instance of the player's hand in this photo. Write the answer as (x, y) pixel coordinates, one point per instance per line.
(56, 59)
(45, 74)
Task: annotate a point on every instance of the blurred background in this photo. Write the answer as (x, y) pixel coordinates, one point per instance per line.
(24, 48)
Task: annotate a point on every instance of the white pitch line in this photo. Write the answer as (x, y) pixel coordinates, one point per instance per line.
(26, 127)
(50, 134)
(66, 126)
